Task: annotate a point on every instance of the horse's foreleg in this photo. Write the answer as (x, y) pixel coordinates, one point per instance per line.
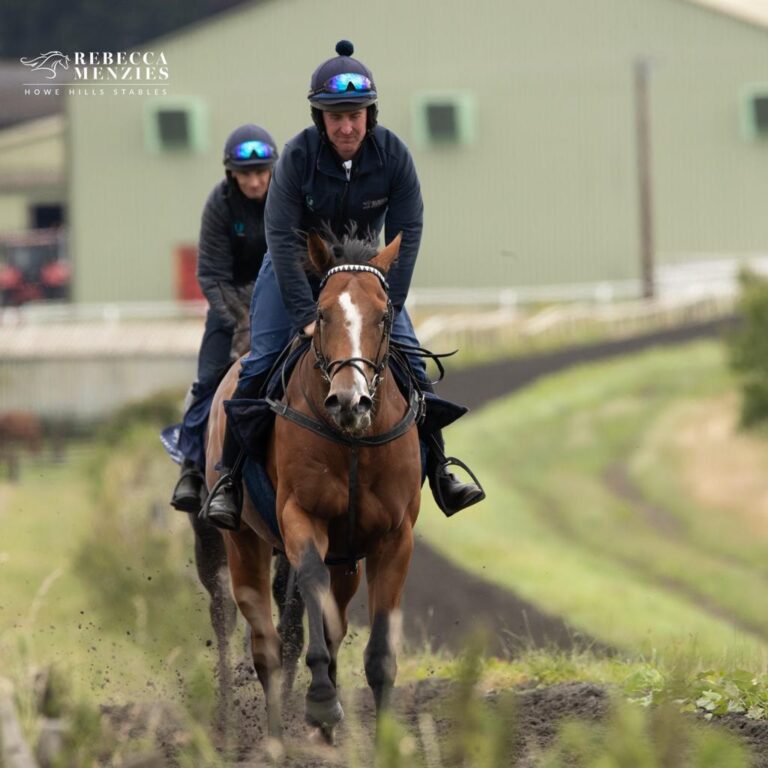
(306, 542)
(249, 559)
(386, 570)
(285, 590)
(343, 587)
(211, 562)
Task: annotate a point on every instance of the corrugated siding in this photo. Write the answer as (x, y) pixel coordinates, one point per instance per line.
(547, 194)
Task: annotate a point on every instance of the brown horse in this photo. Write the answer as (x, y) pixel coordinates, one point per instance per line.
(344, 460)
(19, 430)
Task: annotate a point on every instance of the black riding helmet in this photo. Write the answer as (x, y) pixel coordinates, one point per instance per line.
(342, 84)
(249, 146)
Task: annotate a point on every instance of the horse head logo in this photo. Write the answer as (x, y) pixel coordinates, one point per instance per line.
(48, 61)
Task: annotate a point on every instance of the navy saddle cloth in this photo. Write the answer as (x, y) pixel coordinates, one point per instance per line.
(187, 440)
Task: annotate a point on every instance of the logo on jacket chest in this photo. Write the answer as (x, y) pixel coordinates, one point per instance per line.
(376, 203)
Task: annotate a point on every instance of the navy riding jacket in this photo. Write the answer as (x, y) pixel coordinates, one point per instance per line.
(232, 245)
(311, 188)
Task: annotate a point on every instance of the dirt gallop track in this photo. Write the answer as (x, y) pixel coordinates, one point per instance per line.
(440, 616)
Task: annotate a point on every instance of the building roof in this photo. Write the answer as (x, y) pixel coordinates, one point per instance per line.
(18, 108)
(752, 11)
(32, 152)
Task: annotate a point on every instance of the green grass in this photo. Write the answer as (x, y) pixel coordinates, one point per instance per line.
(554, 530)
(98, 590)
(96, 576)
(47, 612)
(656, 469)
(97, 581)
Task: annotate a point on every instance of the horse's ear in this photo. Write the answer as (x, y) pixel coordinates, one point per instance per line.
(384, 259)
(319, 254)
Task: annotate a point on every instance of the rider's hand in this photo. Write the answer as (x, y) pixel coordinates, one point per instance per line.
(309, 330)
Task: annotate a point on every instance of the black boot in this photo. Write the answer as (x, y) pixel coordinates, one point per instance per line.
(186, 494)
(224, 504)
(451, 494)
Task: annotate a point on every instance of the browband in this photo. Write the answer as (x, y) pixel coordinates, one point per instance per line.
(355, 268)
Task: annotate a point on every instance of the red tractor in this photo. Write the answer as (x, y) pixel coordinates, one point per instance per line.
(33, 267)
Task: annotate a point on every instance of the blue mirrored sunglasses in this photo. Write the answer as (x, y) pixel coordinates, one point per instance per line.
(250, 150)
(347, 82)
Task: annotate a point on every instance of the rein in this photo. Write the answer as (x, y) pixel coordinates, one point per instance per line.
(414, 411)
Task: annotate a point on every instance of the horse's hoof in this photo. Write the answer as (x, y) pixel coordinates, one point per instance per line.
(324, 714)
(323, 736)
(275, 749)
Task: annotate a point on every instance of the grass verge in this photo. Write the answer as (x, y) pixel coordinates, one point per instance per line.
(561, 530)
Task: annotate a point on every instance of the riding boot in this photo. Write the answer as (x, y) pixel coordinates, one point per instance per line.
(223, 506)
(186, 494)
(451, 494)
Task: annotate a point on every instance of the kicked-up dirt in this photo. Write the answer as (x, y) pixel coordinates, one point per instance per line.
(428, 729)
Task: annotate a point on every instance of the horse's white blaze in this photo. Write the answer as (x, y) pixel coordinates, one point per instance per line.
(354, 324)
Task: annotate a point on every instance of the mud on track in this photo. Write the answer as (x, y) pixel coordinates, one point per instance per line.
(532, 719)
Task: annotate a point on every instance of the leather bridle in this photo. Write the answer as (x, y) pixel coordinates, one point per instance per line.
(329, 368)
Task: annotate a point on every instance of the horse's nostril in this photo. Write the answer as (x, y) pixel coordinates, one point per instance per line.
(365, 404)
(332, 404)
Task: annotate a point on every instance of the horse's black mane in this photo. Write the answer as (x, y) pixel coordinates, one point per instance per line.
(349, 248)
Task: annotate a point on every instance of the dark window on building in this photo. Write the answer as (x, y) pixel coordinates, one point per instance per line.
(44, 216)
(173, 128)
(760, 111)
(442, 122)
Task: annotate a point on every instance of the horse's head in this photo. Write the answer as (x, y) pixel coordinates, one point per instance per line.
(354, 320)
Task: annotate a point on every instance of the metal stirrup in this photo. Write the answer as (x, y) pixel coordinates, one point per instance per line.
(452, 461)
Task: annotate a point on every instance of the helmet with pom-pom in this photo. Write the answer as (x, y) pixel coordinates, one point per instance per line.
(342, 83)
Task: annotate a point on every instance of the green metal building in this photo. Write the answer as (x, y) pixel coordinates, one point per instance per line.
(522, 118)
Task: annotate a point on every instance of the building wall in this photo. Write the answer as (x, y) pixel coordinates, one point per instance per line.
(32, 169)
(14, 211)
(545, 194)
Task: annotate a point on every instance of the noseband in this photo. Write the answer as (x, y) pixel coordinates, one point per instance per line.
(329, 368)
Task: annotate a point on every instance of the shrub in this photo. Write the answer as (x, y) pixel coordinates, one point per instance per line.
(748, 347)
(160, 410)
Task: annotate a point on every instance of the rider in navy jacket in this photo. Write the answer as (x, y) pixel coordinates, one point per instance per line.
(310, 189)
(231, 248)
(343, 170)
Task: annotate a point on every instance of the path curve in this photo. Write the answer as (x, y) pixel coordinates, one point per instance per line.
(443, 602)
